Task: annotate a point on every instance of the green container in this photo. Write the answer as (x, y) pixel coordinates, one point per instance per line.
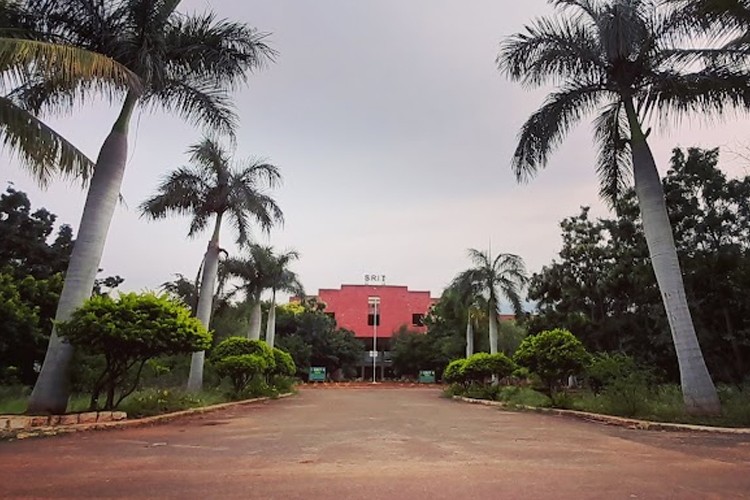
(317, 374)
(426, 376)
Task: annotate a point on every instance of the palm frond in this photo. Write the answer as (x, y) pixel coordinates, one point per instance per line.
(42, 150)
(178, 193)
(549, 125)
(203, 104)
(551, 51)
(614, 162)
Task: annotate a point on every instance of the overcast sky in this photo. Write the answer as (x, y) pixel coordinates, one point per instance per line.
(393, 130)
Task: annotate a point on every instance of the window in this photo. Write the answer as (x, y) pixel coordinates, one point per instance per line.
(373, 319)
(373, 311)
(417, 319)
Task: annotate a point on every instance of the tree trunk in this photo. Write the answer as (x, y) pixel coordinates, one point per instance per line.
(205, 304)
(256, 317)
(469, 337)
(271, 323)
(51, 391)
(492, 316)
(698, 390)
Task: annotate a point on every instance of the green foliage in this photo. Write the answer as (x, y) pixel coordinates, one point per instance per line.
(604, 368)
(312, 339)
(283, 364)
(153, 401)
(552, 355)
(523, 396)
(241, 360)
(481, 366)
(455, 372)
(603, 288)
(127, 332)
(413, 351)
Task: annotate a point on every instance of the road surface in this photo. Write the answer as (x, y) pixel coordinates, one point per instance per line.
(376, 444)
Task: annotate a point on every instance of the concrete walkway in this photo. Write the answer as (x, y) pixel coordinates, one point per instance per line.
(376, 444)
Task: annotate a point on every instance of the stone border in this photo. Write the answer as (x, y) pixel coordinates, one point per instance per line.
(628, 423)
(91, 425)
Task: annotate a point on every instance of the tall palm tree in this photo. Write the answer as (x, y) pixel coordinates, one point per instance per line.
(255, 273)
(213, 189)
(726, 20)
(492, 278)
(186, 64)
(618, 58)
(281, 278)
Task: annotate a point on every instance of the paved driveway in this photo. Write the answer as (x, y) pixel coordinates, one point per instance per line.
(376, 444)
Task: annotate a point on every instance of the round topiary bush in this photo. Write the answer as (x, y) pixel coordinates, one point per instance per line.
(240, 360)
(284, 364)
(553, 355)
(481, 366)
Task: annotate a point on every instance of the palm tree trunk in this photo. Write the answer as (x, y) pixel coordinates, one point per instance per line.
(256, 318)
(698, 390)
(271, 323)
(469, 337)
(492, 315)
(205, 304)
(51, 391)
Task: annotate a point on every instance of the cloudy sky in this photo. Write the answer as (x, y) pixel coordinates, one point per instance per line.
(394, 132)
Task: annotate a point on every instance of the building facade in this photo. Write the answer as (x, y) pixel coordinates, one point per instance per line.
(375, 313)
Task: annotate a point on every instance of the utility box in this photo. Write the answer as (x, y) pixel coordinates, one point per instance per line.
(317, 374)
(427, 376)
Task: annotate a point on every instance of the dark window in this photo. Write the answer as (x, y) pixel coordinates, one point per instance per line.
(417, 319)
(373, 319)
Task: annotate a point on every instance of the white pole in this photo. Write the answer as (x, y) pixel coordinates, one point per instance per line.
(375, 339)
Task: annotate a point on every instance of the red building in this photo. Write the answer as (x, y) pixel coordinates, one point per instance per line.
(370, 310)
(354, 307)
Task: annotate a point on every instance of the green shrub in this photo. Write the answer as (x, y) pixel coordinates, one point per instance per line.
(150, 402)
(481, 366)
(523, 396)
(283, 364)
(552, 355)
(455, 372)
(605, 367)
(628, 395)
(241, 360)
(126, 333)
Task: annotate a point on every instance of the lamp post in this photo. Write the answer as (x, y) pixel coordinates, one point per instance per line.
(373, 303)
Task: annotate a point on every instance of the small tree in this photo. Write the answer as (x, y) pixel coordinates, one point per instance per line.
(284, 364)
(552, 355)
(127, 332)
(241, 360)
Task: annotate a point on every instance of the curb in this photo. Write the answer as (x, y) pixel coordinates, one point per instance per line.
(138, 422)
(628, 423)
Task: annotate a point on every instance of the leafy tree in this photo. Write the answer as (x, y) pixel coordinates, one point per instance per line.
(24, 238)
(185, 63)
(552, 355)
(620, 58)
(603, 286)
(283, 364)
(494, 278)
(312, 339)
(213, 189)
(241, 359)
(127, 332)
(414, 351)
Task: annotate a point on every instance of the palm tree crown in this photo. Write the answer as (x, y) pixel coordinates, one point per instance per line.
(212, 187)
(492, 279)
(186, 63)
(616, 58)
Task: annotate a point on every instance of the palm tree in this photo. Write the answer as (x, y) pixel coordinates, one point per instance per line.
(720, 19)
(186, 64)
(493, 279)
(281, 278)
(255, 273)
(213, 189)
(618, 57)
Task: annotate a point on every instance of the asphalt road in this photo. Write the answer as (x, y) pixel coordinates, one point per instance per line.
(376, 444)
